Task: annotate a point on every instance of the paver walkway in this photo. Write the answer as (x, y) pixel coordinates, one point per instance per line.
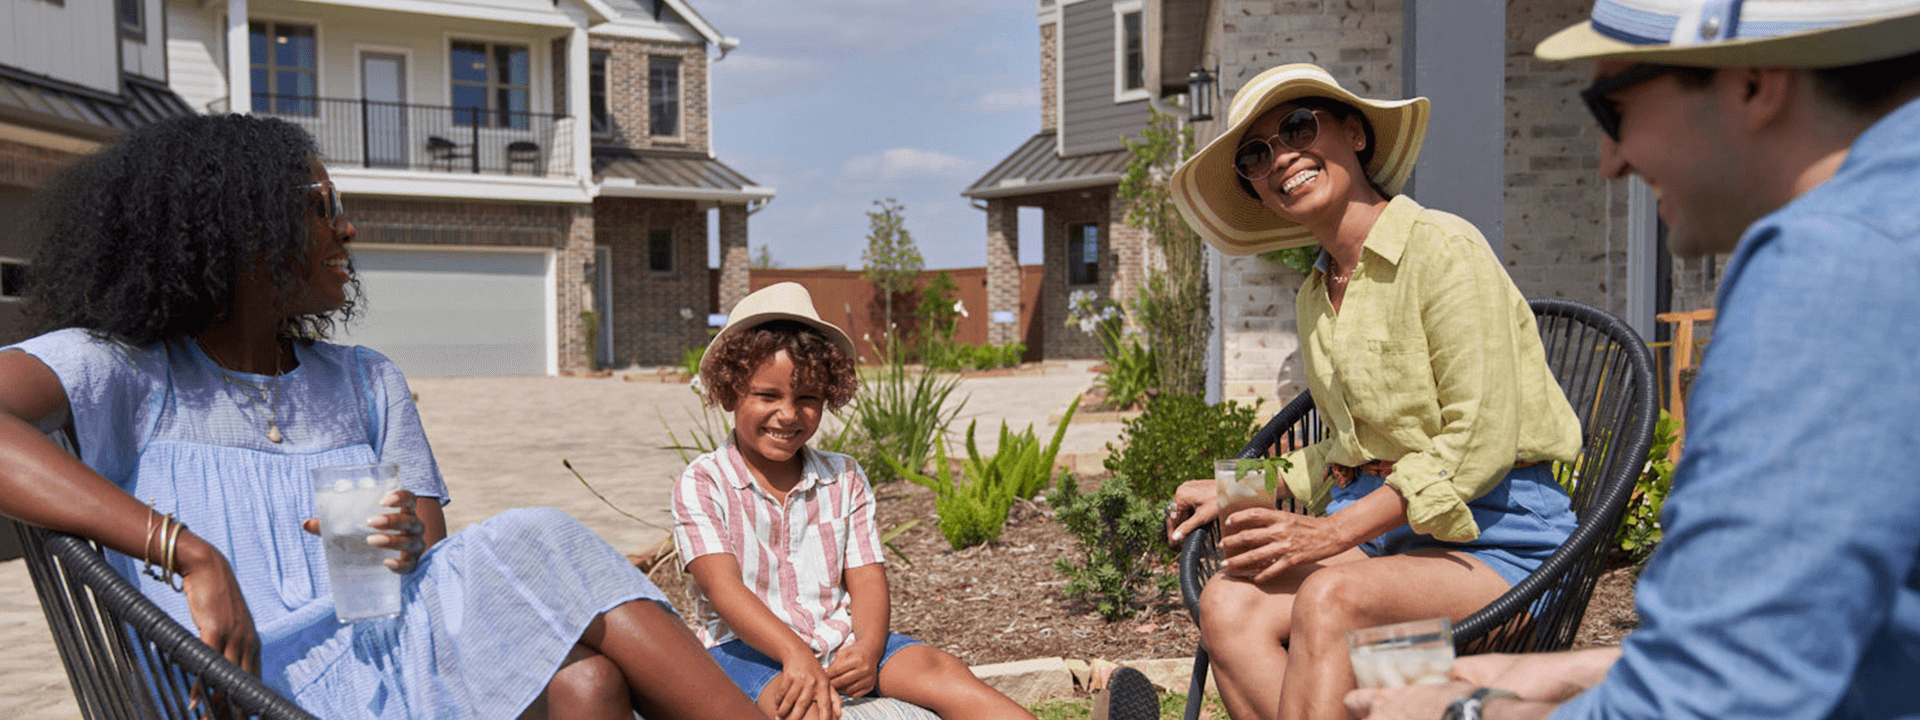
(499, 442)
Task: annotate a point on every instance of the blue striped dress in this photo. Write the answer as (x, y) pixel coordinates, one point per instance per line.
(487, 616)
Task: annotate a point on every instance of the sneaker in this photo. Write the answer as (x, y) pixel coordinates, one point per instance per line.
(1129, 696)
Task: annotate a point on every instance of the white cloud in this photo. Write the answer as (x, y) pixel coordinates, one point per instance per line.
(896, 164)
(1001, 102)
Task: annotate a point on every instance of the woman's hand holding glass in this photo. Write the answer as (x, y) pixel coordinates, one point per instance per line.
(401, 530)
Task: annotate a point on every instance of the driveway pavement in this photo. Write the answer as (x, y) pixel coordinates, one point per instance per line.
(499, 442)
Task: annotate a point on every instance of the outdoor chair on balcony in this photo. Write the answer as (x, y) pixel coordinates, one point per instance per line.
(1606, 372)
(443, 151)
(124, 656)
(523, 152)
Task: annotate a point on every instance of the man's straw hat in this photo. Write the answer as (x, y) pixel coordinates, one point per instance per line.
(1737, 33)
(779, 301)
(1208, 192)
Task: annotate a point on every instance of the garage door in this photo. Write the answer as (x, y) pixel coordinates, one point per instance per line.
(440, 312)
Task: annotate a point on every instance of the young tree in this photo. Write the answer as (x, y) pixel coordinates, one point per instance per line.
(763, 260)
(1172, 303)
(892, 260)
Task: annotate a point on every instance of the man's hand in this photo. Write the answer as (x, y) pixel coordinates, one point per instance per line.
(1414, 702)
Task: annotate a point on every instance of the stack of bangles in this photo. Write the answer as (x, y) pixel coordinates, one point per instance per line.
(169, 538)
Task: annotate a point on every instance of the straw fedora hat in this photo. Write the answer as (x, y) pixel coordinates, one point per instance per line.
(1748, 33)
(779, 301)
(1208, 192)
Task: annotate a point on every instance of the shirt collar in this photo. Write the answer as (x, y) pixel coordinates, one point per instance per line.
(813, 471)
(1387, 238)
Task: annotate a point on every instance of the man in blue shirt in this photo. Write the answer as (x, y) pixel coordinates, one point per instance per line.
(1788, 584)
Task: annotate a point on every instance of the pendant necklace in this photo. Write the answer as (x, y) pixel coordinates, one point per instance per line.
(257, 395)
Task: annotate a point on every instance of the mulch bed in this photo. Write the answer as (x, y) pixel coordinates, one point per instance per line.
(1002, 601)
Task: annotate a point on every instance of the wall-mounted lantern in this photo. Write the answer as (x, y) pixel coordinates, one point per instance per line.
(1199, 95)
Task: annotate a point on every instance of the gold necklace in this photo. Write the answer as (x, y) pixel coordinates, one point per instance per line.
(256, 395)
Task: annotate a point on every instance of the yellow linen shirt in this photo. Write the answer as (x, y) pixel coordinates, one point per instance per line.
(1434, 363)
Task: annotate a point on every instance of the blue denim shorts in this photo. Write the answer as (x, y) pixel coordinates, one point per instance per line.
(1523, 520)
(752, 669)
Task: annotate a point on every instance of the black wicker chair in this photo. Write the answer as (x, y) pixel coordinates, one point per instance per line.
(1607, 373)
(125, 657)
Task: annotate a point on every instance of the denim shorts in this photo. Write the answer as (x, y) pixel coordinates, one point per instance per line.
(752, 669)
(1523, 520)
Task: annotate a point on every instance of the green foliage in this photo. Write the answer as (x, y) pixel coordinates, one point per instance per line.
(899, 415)
(1300, 258)
(1176, 440)
(891, 261)
(973, 507)
(763, 260)
(710, 428)
(1121, 539)
(690, 360)
(590, 324)
(1133, 370)
(1171, 304)
(956, 356)
(1640, 524)
(938, 316)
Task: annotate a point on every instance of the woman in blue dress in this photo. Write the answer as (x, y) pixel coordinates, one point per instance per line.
(186, 277)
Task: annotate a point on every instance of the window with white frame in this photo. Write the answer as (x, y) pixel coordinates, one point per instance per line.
(597, 112)
(492, 84)
(133, 18)
(284, 60)
(1129, 52)
(13, 279)
(663, 95)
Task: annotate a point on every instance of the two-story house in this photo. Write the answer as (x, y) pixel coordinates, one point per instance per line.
(1094, 92)
(73, 76)
(531, 179)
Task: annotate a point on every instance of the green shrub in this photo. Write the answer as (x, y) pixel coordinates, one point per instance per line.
(1176, 440)
(937, 317)
(899, 416)
(973, 507)
(690, 360)
(1121, 537)
(1640, 524)
(1133, 371)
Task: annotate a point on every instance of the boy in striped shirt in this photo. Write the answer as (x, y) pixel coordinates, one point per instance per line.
(780, 537)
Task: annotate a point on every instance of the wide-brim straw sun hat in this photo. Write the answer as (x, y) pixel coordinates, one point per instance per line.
(1208, 192)
(1735, 33)
(779, 301)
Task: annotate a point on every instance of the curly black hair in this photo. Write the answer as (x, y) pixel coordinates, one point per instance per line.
(819, 365)
(148, 239)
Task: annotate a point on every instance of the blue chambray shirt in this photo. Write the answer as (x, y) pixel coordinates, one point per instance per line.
(1788, 585)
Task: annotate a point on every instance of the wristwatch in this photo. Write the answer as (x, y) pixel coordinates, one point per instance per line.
(1468, 708)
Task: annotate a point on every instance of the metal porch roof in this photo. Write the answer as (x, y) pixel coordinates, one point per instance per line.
(1035, 168)
(671, 174)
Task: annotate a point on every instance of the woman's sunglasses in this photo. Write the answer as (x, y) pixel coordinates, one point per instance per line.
(329, 208)
(1297, 131)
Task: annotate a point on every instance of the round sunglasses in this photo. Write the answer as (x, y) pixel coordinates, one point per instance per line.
(1297, 131)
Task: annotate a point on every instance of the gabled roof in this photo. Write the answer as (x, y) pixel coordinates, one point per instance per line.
(1035, 168)
(645, 9)
(70, 109)
(621, 172)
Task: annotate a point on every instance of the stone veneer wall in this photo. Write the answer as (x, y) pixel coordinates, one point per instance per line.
(1049, 76)
(656, 315)
(1003, 269)
(627, 96)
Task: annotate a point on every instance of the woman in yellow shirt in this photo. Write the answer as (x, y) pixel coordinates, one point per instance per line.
(1425, 364)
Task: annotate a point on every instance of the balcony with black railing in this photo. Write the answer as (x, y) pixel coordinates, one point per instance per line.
(435, 138)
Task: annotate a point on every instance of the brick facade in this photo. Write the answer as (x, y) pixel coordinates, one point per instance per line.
(628, 93)
(734, 256)
(657, 315)
(1060, 211)
(1003, 269)
(30, 166)
(1049, 76)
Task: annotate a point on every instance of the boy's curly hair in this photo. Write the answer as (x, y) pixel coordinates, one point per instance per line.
(149, 238)
(819, 365)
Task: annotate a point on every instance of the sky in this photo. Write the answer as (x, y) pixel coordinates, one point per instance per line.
(837, 103)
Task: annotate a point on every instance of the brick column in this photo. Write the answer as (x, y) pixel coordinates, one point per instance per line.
(1131, 251)
(574, 283)
(735, 257)
(1003, 270)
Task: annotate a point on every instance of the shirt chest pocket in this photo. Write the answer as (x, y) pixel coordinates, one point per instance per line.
(1391, 383)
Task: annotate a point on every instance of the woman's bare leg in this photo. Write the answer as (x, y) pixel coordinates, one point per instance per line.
(588, 685)
(1245, 629)
(928, 677)
(1422, 584)
(666, 670)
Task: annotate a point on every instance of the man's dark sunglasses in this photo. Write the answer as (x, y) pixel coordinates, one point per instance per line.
(1599, 100)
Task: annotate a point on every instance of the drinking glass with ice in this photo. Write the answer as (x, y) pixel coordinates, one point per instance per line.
(1244, 484)
(1409, 653)
(344, 498)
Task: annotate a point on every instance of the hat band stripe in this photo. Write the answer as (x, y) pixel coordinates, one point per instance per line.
(1632, 25)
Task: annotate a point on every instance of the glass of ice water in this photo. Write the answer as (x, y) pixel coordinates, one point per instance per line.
(344, 498)
(1409, 653)
(1241, 484)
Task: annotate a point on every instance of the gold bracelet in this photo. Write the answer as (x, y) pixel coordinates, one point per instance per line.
(146, 543)
(173, 540)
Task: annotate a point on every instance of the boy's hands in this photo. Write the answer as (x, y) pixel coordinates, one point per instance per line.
(855, 670)
(803, 691)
